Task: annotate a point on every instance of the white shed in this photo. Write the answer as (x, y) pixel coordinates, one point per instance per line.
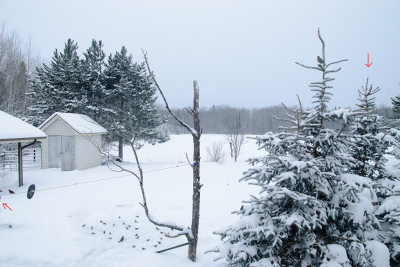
(67, 146)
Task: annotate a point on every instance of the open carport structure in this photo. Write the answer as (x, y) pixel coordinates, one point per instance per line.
(15, 130)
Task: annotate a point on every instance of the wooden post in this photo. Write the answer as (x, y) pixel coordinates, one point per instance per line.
(196, 175)
(20, 171)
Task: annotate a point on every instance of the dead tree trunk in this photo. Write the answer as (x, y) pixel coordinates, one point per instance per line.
(196, 175)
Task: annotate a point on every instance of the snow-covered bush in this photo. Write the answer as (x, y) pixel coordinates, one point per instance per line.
(310, 211)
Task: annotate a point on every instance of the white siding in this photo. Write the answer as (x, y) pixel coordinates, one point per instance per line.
(86, 154)
(58, 127)
(45, 154)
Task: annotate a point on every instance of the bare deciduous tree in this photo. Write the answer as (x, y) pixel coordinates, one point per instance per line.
(191, 233)
(17, 62)
(236, 124)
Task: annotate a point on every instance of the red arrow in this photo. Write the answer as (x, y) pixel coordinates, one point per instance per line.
(368, 62)
(5, 205)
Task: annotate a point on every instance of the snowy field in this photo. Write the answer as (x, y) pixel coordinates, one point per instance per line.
(47, 229)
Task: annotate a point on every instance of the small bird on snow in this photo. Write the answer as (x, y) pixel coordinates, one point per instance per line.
(127, 228)
(159, 242)
(155, 246)
(104, 232)
(157, 228)
(148, 240)
(11, 192)
(92, 227)
(110, 238)
(134, 246)
(83, 225)
(136, 228)
(135, 221)
(137, 216)
(93, 233)
(122, 239)
(143, 248)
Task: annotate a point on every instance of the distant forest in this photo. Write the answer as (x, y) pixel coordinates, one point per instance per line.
(257, 120)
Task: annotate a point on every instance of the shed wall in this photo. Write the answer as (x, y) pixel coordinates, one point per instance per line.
(58, 127)
(86, 154)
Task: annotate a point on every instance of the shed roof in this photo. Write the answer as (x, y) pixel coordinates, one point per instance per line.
(16, 130)
(82, 124)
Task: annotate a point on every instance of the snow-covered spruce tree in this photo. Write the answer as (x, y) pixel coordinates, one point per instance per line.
(396, 107)
(92, 70)
(58, 87)
(310, 212)
(129, 90)
(389, 215)
(369, 145)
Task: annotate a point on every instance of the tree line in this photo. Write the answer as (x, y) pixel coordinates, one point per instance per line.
(214, 120)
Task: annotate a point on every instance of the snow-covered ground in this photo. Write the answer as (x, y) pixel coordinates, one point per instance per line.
(47, 230)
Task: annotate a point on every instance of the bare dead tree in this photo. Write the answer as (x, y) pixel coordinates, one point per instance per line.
(192, 236)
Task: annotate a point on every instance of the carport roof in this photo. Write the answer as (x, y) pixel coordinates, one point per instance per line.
(16, 130)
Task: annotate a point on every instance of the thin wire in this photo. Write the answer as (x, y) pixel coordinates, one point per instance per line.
(98, 180)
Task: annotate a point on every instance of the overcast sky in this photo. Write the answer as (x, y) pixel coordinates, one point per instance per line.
(242, 53)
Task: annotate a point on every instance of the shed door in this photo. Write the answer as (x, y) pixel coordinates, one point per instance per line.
(62, 152)
(54, 151)
(68, 153)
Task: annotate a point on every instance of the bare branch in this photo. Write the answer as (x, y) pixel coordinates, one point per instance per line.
(165, 100)
(315, 68)
(336, 62)
(191, 165)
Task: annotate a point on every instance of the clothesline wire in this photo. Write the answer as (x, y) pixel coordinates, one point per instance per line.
(103, 179)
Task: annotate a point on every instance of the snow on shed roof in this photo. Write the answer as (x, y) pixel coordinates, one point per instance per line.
(16, 130)
(80, 123)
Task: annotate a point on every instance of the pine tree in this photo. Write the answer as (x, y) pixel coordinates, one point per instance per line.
(94, 79)
(129, 90)
(310, 212)
(58, 87)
